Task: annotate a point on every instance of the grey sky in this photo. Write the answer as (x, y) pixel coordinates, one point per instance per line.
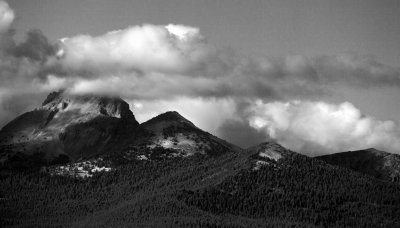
(274, 27)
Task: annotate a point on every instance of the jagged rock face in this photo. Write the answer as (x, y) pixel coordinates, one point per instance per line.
(74, 125)
(376, 163)
(89, 105)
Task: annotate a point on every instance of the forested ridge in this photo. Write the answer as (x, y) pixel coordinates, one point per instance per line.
(202, 191)
(307, 190)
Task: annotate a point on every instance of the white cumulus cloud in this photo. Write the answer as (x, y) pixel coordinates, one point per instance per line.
(171, 48)
(318, 127)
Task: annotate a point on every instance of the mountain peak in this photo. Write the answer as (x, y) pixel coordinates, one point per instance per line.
(270, 146)
(52, 96)
(170, 117)
(375, 151)
(173, 132)
(268, 154)
(89, 103)
(72, 125)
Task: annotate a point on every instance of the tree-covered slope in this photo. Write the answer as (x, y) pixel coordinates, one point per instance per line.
(379, 164)
(228, 190)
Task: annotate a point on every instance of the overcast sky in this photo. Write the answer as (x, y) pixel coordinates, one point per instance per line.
(244, 70)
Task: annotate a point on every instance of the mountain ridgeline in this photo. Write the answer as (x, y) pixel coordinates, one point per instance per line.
(84, 161)
(80, 127)
(376, 163)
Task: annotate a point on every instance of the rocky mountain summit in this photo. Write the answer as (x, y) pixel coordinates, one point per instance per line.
(173, 131)
(88, 105)
(67, 126)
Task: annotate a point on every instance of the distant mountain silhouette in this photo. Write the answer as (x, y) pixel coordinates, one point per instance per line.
(379, 164)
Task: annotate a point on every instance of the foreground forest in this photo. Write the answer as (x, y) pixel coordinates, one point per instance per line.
(202, 191)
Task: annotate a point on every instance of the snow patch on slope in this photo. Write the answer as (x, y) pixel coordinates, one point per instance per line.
(267, 154)
(270, 154)
(185, 145)
(83, 169)
(141, 157)
(259, 164)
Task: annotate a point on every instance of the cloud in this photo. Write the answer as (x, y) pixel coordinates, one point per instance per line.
(36, 47)
(356, 71)
(317, 127)
(6, 17)
(154, 59)
(23, 77)
(176, 60)
(148, 48)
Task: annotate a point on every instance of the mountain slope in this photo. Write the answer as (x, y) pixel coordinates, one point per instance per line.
(171, 135)
(307, 192)
(379, 164)
(291, 190)
(167, 172)
(73, 126)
